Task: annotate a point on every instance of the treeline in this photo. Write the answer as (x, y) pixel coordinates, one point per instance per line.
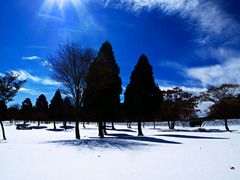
(92, 81)
(58, 110)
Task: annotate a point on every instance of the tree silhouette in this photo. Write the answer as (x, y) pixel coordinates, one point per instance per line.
(3, 110)
(41, 108)
(9, 86)
(221, 96)
(56, 108)
(178, 105)
(70, 65)
(142, 96)
(13, 112)
(67, 111)
(102, 95)
(26, 109)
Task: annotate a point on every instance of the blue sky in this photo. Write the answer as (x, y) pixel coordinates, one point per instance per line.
(191, 44)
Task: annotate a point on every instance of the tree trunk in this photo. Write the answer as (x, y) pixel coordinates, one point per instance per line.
(54, 125)
(77, 130)
(100, 129)
(154, 126)
(3, 132)
(129, 125)
(38, 123)
(84, 125)
(105, 127)
(171, 124)
(226, 125)
(76, 114)
(113, 128)
(140, 128)
(65, 125)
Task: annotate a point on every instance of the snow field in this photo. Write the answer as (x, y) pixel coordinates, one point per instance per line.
(183, 153)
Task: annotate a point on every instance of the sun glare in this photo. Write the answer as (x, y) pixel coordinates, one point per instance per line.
(61, 3)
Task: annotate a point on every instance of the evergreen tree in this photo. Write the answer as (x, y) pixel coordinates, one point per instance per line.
(67, 111)
(26, 109)
(102, 95)
(142, 96)
(56, 108)
(41, 108)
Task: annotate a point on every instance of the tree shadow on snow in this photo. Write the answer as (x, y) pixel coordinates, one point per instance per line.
(100, 143)
(68, 127)
(193, 130)
(55, 130)
(38, 127)
(113, 141)
(141, 138)
(124, 130)
(190, 137)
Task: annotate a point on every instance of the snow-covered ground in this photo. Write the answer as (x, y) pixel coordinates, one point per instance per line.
(184, 153)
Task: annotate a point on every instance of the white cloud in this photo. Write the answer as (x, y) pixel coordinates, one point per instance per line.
(25, 75)
(50, 82)
(204, 107)
(208, 18)
(29, 91)
(228, 72)
(47, 16)
(46, 63)
(31, 58)
(194, 90)
(166, 85)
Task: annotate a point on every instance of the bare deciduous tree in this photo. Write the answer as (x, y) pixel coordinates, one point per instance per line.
(70, 65)
(221, 96)
(9, 86)
(178, 105)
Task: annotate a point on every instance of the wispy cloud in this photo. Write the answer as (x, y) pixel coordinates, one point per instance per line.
(166, 85)
(31, 58)
(30, 91)
(207, 18)
(27, 76)
(227, 72)
(212, 26)
(47, 16)
(46, 63)
(50, 82)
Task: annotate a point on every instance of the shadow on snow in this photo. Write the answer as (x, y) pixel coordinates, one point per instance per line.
(55, 130)
(38, 127)
(193, 130)
(124, 130)
(140, 138)
(190, 137)
(113, 141)
(68, 127)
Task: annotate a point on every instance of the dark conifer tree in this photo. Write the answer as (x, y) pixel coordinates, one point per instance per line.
(102, 95)
(56, 108)
(41, 108)
(142, 96)
(67, 111)
(26, 109)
